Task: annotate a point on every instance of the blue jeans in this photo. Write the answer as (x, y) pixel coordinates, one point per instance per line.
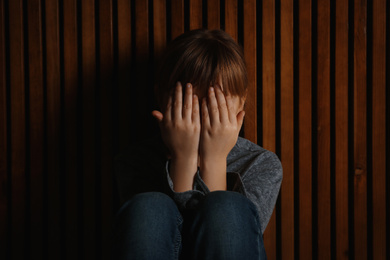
(224, 225)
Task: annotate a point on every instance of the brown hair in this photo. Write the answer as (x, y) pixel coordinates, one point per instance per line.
(202, 58)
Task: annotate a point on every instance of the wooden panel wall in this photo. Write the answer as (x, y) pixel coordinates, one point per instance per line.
(76, 88)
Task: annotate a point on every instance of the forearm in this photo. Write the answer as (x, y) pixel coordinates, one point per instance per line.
(213, 173)
(182, 172)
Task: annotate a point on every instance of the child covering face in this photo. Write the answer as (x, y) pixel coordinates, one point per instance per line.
(197, 191)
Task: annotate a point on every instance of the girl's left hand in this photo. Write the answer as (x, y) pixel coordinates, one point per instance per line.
(220, 129)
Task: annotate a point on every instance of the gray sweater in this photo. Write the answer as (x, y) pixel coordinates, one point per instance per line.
(251, 170)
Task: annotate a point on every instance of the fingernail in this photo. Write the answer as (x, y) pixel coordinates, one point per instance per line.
(211, 89)
(188, 85)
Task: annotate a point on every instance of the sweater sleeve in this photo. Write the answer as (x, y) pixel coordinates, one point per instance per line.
(262, 184)
(257, 174)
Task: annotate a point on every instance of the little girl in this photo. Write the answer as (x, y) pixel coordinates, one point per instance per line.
(198, 191)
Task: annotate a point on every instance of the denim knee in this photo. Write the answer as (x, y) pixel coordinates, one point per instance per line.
(228, 227)
(233, 207)
(148, 227)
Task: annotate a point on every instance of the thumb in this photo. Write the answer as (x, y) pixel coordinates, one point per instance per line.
(240, 119)
(158, 115)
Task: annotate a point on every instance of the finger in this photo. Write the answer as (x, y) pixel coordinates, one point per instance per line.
(240, 120)
(195, 110)
(187, 107)
(222, 107)
(158, 115)
(231, 110)
(213, 107)
(205, 115)
(177, 102)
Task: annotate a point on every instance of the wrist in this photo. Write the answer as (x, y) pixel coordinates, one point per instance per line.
(213, 173)
(185, 160)
(208, 161)
(182, 172)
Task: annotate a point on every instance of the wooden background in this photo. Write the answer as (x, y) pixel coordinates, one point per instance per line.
(76, 80)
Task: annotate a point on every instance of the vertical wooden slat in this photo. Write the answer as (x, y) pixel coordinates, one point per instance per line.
(360, 132)
(323, 129)
(70, 110)
(124, 67)
(18, 129)
(106, 86)
(53, 127)
(231, 25)
(88, 126)
(159, 27)
(36, 126)
(213, 14)
(379, 130)
(195, 14)
(268, 104)
(142, 57)
(250, 58)
(287, 129)
(3, 138)
(305, 130)
(341, 129)
(177, 19)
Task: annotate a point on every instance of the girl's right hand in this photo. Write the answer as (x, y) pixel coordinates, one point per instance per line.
(180, 131)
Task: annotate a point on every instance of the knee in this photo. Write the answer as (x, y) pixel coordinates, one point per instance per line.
(144, 222)
(230, 212)
(227, 203)
(229, 221)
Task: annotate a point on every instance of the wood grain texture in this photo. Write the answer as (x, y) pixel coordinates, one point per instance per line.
(88, 43)
(341, 130)
(141, 59)
(305, 130)
(287, 128)
(177, 19)
(268, 82)
(323, 129)
(250, 124)
(268, 105)
(195, 14)
(125, 46)
(231, 25)
(360, 129)
(36, 128)
(159, 28)
(213, 14)
(379, 130)
(18, 130)
(70, 80)
(53, 114)
(3, 139)
(106, 122)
